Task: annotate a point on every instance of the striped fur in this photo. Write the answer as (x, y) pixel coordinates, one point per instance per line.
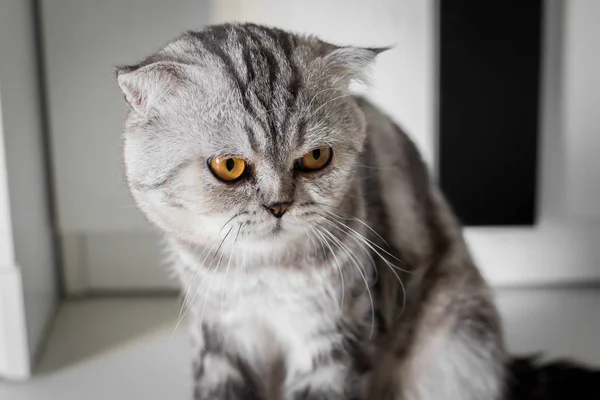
(364, 289)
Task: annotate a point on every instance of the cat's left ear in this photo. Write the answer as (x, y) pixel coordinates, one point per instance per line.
(146, 86)
(352, 63)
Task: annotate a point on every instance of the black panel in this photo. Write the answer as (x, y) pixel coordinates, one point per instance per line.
(489, 106)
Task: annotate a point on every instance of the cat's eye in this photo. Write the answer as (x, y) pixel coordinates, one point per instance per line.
(228, 169)
(315, 159)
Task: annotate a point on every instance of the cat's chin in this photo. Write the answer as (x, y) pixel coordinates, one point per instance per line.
(275, 233)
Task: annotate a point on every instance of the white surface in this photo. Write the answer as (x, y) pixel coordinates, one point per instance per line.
(12, 313)
(112, 350)
(14, 349)
(582, 103)
(25, 174)
(123, 349)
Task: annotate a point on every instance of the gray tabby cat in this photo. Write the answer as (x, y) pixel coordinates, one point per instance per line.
(318, 260)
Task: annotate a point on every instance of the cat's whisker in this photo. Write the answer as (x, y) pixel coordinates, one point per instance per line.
(376, 168)
(390, 265)
(345, 249)
(367, 253)
(366, 243)
(231, 219)
(228, 265)
(353, 254)
(311, 240)
(185, 303)
(239, 266)
(369, 243)
(359, 239)
(359, 178)
(324, 240)
(191, 302)
(244, 275)
(321, 243)
(361, 222)
(213, 277)
(362, 248)
(187, 293)
(204, 260)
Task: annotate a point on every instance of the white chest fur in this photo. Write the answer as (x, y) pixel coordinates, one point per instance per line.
(268, 315)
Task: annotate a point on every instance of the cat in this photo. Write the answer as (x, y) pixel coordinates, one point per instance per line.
(318, 259)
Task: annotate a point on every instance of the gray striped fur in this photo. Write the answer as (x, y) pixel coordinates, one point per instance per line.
(364, 289)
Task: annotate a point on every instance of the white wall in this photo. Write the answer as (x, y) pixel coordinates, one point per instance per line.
(582, 105)
(14, 349)
(25, 167)
(108, 244)
(7, 254)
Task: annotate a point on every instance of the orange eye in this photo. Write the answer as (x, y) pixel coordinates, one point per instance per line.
(316, 159)
(228, 169)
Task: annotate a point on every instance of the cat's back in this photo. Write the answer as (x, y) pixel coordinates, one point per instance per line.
(396, 186)
(385, 136)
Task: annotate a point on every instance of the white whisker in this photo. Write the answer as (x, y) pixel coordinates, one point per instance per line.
(391, 266)
(191, 302)
(186, 305)
(362, 222)
(344, 248)
(227, 269)
(371, 244)
(324, 240)
(212, 278)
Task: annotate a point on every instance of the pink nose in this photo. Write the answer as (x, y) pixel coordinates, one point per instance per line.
(278, 209)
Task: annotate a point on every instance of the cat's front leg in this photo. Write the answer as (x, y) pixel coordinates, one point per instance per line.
(220, 375)
(338, 369)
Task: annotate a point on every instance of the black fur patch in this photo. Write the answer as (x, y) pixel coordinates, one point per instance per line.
(355, 347)
(528, 379)
(213, 339)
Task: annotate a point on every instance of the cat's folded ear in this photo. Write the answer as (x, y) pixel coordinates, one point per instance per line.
(144, 87)
(349, 64)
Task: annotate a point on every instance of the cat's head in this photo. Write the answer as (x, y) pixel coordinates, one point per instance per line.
(242, 130)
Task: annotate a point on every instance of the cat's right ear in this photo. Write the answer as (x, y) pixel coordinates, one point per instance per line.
(146, 86)
(352, 63)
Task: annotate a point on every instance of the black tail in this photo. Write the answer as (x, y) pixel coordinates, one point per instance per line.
(530, 379)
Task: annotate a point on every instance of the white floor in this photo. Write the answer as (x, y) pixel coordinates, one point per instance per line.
(112, 349)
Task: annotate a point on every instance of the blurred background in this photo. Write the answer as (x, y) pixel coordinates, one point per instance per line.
(501, 98)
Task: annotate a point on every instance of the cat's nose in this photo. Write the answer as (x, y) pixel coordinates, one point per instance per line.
(278, 209)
